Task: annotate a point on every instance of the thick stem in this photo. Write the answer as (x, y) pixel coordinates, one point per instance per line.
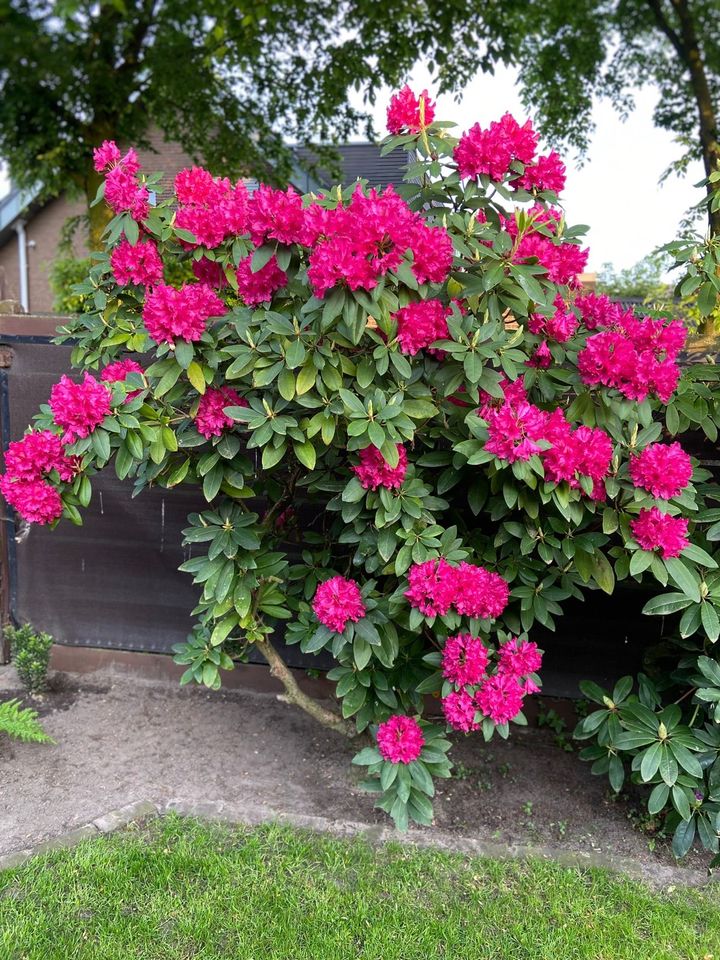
(280, 670)
(98, 216)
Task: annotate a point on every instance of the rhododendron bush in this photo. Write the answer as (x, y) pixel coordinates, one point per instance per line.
(416, 435)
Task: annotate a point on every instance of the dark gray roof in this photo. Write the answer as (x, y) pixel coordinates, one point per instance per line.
(357, 161)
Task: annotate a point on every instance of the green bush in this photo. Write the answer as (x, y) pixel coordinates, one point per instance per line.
(31, 653)
(65, 273)
(21, 723)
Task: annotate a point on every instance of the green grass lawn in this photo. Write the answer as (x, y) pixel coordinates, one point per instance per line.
(180, 889)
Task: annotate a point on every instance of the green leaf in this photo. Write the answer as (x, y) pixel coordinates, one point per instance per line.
(196, 376)
(367, 756)
(650, 762)
(665, 604)
(184, 353)
(710, 621)
(683, 578)
(603, 573)
(305, 452)
(362, 651)
(101, 443)
(683, 838)
(286, 384)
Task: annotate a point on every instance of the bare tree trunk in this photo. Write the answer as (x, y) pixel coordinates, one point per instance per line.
(687, 46)
(293, 694)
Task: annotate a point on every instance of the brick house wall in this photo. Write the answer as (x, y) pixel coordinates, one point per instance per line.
(44, 228)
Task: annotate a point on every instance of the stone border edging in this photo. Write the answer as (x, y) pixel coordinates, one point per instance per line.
(256, 814)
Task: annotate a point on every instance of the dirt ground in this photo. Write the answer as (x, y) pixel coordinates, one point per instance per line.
(122, 740)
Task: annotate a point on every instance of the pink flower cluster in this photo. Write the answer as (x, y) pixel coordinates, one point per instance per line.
(404, 114)
(517, 430)
(278, 215)
(28, 462)
(211, 208)
(498, 696)
(422, 323)
(171, 314)
(560, 327)
(546, 173)
(655, 530)
(123, 193)
(435, 585)
(117, 372)
(210, 420)
(637, 357)
(337, 602)
(358, 244)
(541, 243)
(37, 501)
(494, 152)
(491, 152)
(400, 739)
(255, 288)
(79, 407)
(464, 659)
(664, 470)
(374, 471)
(139, 264)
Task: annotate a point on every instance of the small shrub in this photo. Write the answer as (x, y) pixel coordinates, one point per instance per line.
(64, 274)
(31, 653)
(21, 723)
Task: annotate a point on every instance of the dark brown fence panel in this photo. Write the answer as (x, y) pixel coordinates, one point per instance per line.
(114, 581)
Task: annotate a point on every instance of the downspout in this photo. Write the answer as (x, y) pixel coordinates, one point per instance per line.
(23, 265)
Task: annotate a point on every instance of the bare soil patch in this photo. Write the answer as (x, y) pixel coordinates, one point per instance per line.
(121, 740)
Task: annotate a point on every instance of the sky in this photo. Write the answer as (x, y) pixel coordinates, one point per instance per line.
(615, 192)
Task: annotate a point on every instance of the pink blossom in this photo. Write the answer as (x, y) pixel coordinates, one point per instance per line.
(210, 420)
(123, 193)
(37, 454)
(464, 659)
(432, 249)
(106, 155)
(655, 530)
(478, 592)
(563, 261)
(139, 264)
(500, 698)
(374, 471)
(404, 114)
(277, 215)
(337, 602)
(37, 501)
(597, 310)
(420, 324)
(171, 314)
(514, 393)
(632, 357)
(210, 272)
(585, 452)
(79, 407)
(519, 658)
(491, 152)
(211, 208)
(541, 357)
(561, 326)
(400, 739)
(117, 372)
(459, 709)
(546, 173)
(664, 470)
(431, 587)
(358, 244)
(259, 287)
(514, 430)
